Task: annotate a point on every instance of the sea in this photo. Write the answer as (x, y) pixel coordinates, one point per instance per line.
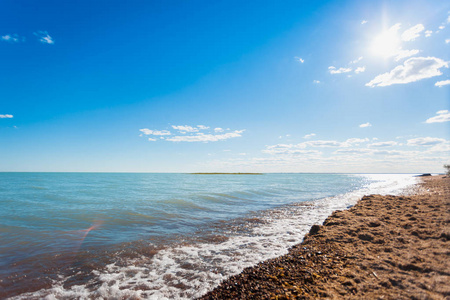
(157, 235)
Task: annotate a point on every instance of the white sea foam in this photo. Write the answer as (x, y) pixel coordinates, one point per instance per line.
(189, 271)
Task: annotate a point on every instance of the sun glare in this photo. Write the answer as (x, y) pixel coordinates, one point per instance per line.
(387, 43)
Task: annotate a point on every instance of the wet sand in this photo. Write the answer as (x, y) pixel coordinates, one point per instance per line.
(385, 247)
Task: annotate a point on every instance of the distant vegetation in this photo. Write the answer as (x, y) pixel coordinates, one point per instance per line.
(227, 173)
(448, 169)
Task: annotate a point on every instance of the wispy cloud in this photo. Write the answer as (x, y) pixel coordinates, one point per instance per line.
(321, 143)
(147, 131)
(333, 70)
(300, 148)
(363, 22)
(383, 144)
(412, 33)
(360, 69)
(308, 136)
(201, 137)
(428, 33)
(365, 125)
(441, 116)
(316, 81)
(400, 54)
(413, 69)
(188, 133)
(447, 41)
(299, 59)
(12, 38)
(442, 83)
(7, 116)
(356, 60)
(185, 128)
(425, 141)
(354, 141)
(44, 37)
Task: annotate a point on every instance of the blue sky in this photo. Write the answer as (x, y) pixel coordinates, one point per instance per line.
(229, 86)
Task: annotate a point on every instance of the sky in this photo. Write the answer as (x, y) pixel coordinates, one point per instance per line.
(224, 86)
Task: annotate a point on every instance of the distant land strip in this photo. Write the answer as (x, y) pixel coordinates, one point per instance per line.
(227, 173)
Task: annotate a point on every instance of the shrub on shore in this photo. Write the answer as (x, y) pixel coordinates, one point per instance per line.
(448, 169)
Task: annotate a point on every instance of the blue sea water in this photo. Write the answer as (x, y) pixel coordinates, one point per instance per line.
(103, 235)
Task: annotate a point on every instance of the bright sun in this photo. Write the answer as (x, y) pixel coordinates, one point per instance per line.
(387, 43)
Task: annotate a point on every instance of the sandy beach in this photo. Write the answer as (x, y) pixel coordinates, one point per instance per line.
(385, 247)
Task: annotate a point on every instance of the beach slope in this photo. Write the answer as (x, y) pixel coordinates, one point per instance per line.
(385, 247)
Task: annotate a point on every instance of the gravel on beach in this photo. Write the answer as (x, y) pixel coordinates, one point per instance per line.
(385, 247)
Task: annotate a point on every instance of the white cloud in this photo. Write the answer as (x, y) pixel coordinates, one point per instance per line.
(201, 137)
(333, 70)
(218, 129)
(442, 147)
(447, 41)
(425, 141)
(316, 81)
(288, 149)
(151, 139)
(360, 69)
(6, 116)
(363, 22)
(428, 33)
(354, 141)
(400, 54)
(383, 144)
(321, 143)
(442, 83)
(356, 60)
(44, 37)
(147, 131)
(12, 38)
(299, 59)
(441, 116)
(412, 33)
(185, 128)
(308, 136)
(448, 20)
(412, 70)
(365, 125)
(441, 27)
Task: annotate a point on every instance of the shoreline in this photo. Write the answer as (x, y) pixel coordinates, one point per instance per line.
(384, 247)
